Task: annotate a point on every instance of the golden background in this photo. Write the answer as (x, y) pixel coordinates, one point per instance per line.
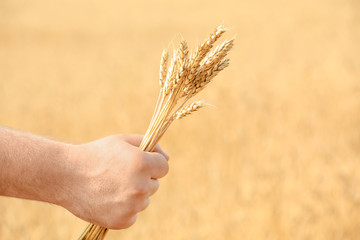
(277, 158)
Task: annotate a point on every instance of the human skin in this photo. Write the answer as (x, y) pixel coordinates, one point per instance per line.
(105, 182)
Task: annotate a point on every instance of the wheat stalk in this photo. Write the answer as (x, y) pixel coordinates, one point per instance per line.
(187, 75)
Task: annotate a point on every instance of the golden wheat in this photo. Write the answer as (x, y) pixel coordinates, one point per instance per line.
(186, 76)
(189, 109)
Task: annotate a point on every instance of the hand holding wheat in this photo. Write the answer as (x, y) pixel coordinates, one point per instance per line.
(186, 75)
(115, 179)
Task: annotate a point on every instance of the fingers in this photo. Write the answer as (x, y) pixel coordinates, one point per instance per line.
(125, 223)
(158, 166)
(154, 186)
(155, 162)
(159, 150)
(143, 200)
(135, 140)
(144, 204)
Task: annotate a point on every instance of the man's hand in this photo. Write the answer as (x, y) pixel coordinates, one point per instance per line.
(113, 180)
(106, 182)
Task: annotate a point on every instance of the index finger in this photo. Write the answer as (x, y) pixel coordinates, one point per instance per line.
(157, 165)
(158, 149)
(136, 139)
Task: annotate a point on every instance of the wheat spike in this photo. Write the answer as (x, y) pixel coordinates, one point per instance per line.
(183, 112)
(203, 49)
(217, 55)
(204, 79)
(163, 69)
(171, 73)
(183, 52)
(182, 55)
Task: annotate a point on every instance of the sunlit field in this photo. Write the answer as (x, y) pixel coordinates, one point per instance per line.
(277, 157)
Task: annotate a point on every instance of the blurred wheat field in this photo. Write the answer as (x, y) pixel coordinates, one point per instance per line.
(277, 158)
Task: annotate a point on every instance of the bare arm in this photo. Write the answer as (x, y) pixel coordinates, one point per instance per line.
(28, 164)
(106, 182)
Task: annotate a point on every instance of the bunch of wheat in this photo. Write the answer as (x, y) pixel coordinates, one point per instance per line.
(186, 75)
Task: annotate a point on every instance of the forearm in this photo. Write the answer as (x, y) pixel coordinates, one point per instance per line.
(31, 166)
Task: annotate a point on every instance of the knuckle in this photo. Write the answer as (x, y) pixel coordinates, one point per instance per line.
(140, 190)
(124, 222)
(144, 205)
(130, 222)
(130, 212)
(138, 158)
(154, 189)
(156, 184)
(166, 167)
(121, 137)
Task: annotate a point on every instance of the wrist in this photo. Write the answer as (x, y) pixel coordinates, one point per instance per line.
(70, 174)
(48, 180)
(59, 176)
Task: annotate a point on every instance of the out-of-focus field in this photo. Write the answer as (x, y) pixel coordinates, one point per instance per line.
(277, 158)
